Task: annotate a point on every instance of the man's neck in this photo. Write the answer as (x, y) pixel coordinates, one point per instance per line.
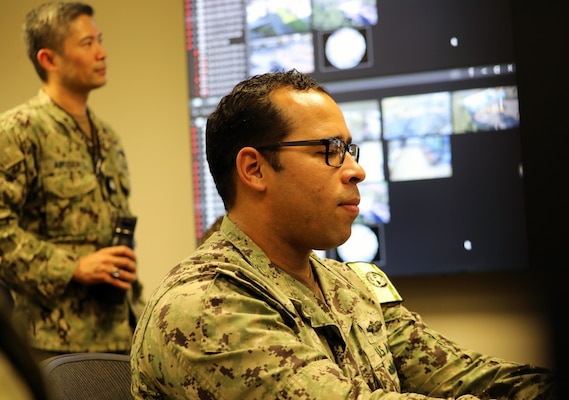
(75, 103)
(287, 256)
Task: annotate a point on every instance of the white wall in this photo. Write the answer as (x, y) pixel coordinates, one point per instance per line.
(145, 100)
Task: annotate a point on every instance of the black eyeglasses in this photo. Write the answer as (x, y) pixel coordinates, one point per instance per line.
(335, 149)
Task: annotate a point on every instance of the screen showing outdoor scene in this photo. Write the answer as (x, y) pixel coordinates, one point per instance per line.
(428, 90)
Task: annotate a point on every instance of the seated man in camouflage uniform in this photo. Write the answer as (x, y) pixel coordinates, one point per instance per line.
(63, 185)
(254, 313)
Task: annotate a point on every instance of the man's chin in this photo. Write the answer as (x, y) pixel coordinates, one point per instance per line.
(97, 83)
(340, 241)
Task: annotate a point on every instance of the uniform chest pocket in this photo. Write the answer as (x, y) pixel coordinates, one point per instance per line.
(373, 341)
(73, 205)
(115, 183)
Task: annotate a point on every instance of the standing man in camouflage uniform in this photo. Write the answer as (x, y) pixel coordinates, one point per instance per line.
(63, 184)
(255, 314)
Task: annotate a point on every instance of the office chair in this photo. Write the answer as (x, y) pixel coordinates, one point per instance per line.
(88, 376)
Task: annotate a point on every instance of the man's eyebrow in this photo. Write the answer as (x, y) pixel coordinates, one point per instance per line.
(88, 37)
(348, 140)
(98, 37)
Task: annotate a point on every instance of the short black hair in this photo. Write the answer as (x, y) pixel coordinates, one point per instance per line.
(248, 117)
(47, 27)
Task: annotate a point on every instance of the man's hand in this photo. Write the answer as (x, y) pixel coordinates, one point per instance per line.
(115, 265)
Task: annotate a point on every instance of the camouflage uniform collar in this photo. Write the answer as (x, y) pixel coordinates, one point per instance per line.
(43, 100)
(257, 259)
(59, 114)
(339, 292)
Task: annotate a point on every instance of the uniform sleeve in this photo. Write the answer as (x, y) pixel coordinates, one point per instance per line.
(198, 341)
(430, 363)
(33, 267)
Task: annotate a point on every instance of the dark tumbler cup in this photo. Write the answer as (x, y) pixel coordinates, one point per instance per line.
(123, 235)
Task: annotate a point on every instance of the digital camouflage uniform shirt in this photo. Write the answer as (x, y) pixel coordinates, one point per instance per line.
(59, 201)
(227, 324)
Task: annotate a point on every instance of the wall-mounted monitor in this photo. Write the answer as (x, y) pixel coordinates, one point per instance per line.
(429, 92)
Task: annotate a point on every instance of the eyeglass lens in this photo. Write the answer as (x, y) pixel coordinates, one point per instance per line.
(337, 152)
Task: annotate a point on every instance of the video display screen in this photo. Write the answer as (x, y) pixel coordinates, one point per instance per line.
(428, 90)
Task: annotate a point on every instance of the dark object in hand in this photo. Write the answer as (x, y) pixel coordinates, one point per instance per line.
(124, 232)
(123, 235)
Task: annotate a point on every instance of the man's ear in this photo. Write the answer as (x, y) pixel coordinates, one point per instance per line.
(250, 165)
(46, 59)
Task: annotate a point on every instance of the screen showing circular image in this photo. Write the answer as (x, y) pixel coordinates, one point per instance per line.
(362, 245)
(345, 48)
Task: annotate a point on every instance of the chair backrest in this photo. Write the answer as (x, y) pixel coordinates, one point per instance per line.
(88, 376)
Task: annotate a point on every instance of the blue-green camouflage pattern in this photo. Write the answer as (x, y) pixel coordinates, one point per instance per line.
(54, 208)
(228, 324)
